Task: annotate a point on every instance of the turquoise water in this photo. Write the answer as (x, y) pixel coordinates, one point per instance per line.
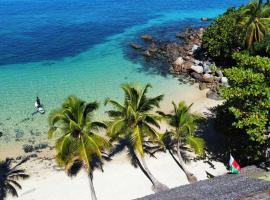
(85, 58)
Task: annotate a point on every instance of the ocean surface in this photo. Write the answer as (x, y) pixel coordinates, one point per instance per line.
(53, 49)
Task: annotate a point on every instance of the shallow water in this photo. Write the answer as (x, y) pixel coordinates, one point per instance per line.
(57, 48)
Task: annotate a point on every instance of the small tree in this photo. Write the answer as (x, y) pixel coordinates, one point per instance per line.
(79, 144)
(132, 126)
(184, 125)
(245, 115)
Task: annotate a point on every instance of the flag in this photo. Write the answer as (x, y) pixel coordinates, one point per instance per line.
(234, 166)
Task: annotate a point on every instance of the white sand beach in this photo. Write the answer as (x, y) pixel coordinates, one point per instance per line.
(120, 180)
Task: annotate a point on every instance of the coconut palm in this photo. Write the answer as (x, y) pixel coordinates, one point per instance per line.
(79, 144)
(183, 125)
(256, 19)
(9, 177)
(133, 126)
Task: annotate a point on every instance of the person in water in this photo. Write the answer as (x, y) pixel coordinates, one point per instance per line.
(38, 102)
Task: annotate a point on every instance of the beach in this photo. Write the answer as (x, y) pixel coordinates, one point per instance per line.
(120, 180)
(83, 48)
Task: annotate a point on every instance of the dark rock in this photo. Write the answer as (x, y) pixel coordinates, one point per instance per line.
(196, 76)
(212, 95)
(25, 119)
(1, 134)
(18, 157)
(9, 118)
(34, 155)
(19, 133)
(202, 86)
(28, 148)
(41, 146)
(147, 37)
(135, 46)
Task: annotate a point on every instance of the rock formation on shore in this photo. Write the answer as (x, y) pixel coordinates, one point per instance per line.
(186, 57)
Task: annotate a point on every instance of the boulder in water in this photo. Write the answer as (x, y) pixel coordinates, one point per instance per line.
(147, 37)
(135, 46)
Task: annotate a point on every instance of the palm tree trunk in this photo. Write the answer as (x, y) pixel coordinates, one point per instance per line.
(175, 160)
(92, 189)
(157, 186)
(141, 167)
(191, 178)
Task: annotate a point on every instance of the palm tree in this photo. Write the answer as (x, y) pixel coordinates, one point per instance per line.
(256, 18)
(184, 125)
(9, 177)
(133, 126)
(78, 145)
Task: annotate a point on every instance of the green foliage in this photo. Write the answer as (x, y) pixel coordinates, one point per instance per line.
(238, 30)
(261, 48)
(224, 36)
(78, 141)
(184, 126)
(255, 20)
(246, 112)
(133, 119)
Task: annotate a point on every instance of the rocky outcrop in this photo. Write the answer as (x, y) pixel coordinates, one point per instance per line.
(186, 57)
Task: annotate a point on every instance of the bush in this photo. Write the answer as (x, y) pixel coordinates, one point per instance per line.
(245, 116)
(261, 48)
(224, 36)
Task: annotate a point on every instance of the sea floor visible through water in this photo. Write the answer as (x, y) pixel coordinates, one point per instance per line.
(93, 75)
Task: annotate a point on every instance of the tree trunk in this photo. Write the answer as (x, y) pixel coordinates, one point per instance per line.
(175, 160)
(92, 189)
(191, 178)
(141, 167)
(157, 186)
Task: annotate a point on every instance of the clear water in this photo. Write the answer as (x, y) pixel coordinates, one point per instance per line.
(56, 48)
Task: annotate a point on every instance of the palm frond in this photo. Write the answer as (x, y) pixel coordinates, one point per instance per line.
(197, 144)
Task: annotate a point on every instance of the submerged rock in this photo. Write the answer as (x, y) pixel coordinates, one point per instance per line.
(28, 148)
(41, 146)
(19, 133)
(135, 46)
(1, 134)
(147, 37)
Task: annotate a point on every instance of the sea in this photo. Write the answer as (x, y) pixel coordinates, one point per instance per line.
(56, 48)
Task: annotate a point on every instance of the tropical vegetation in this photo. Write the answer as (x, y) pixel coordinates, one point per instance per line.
(245, 115)
(239, 40)
(184, 125)
(79, 143)
(239, 29)
(133, 126)
(9, 176)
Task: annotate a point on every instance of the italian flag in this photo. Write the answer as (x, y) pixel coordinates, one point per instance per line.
(234, 166)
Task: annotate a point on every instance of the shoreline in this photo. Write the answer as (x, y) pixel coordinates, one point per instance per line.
(43, 170)
(191, 95)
